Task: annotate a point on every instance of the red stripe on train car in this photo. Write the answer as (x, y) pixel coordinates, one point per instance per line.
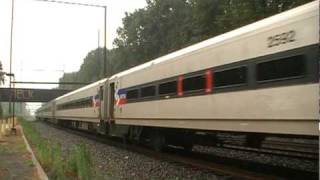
(209, 78)
(180, 86)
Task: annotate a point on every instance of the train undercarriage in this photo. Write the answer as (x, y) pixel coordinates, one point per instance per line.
(159, 138)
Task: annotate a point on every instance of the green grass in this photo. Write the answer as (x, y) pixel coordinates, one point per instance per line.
(77, 165)
(80, 162)
(4, 149)
(11, 149)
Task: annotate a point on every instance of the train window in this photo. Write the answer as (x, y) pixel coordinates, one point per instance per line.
(285, 68)
(168, 88)
(148, 91)
(133, 94)
(230, 77)
(194, 83)
(81, 103)
(87, 103)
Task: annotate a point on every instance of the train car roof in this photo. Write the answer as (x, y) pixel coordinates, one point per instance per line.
(264, 23)
(82, 88)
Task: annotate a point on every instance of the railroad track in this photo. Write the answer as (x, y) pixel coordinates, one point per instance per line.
(278, 171)
(302, 149)
(218, 165)
(277, 151)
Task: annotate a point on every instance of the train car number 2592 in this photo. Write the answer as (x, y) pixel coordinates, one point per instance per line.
(282, 38)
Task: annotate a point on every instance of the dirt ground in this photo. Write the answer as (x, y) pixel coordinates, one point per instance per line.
(15, 160)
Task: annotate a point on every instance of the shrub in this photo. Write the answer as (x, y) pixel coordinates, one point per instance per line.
(80, 162)
(78, 165)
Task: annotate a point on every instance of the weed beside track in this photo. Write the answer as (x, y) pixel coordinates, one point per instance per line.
(76, 164)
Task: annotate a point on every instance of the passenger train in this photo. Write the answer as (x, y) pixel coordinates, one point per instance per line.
(259, 80)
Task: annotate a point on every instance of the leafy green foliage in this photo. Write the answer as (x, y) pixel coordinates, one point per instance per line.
(164, 26)
(1, 74)
(80, 162)
(1, 82)
(77, 165)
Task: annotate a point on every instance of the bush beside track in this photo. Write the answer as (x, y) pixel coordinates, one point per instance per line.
(76, 164)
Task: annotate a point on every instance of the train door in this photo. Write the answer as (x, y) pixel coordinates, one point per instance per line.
(101, 107)
(104, 105)
(102, 93)
(53, 106)
(111, 101)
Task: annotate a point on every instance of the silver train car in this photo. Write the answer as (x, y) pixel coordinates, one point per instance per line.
(257, 80)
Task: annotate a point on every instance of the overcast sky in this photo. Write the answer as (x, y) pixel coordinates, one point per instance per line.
(51, 38)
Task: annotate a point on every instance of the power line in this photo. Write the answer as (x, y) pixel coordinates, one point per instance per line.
(73, 3)
(30, 82)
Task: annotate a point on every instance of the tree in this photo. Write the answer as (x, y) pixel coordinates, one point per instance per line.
(2, 74)
(1, 82)
(164, 26)
(154, 31)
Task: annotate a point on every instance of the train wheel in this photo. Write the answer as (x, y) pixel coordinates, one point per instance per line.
(158, 141)
(254, 140)
(187, 147)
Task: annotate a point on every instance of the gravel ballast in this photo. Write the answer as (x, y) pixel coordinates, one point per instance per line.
(274, 160)
(117, 163)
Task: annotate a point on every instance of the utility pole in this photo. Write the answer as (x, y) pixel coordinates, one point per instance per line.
(105, 44)
(10, 77)
(105, 70)
(98, 39)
